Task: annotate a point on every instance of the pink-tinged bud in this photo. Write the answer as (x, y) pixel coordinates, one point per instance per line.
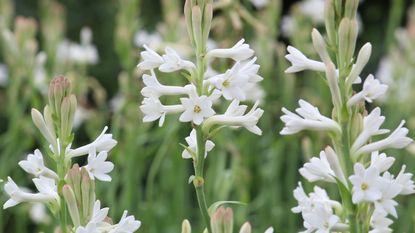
(330, 21)
(228, 221)
(216, 221)
(87, 193)
(351, 8)
(71, 202)
(59, 88)
(68, 109)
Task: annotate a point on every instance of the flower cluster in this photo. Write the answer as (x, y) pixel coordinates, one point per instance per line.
(368, 189)
(57, 187)
(195, 107)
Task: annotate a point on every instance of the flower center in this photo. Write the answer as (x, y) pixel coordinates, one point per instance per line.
(197, 109)
(226, 83)
(364, 186)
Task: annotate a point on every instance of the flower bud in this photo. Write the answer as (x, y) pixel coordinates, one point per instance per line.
(186, 228)
(59, 88)
(207, 20)
(333, 82)
(351, 8)
(246, 228)
(68, 109)
(361, 61)
(87, 193)
(196, 26)
(320, 46)
(188, 17)
(222, 220)
(71, 202)
(330, 21)
(44, 126)
(347, 41)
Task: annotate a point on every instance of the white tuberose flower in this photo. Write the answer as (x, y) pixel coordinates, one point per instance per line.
(397, 139)
(234, 116)
(300, 62)
(97, 166)
(34, 165)
(104, 142)
(308, 117)
(371, 127)
(318, 169)
(151, 59)
(197, 108)
(173, 62)
(153, 110)
(47, 192)
(234, 81)
(381, 161)
(365, 184)
(155, 89)
(192, 145)
(240, 51)
(372, 89)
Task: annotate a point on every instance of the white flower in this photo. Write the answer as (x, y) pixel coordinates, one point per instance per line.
(372, 89)
(46, 187)
(365, 184)
(361, 61)
(153, 110)
(97, 166)
(151, 59)
(235, 116)
(397, 139)
(234, 81)
(389, 189)
(98, 214)
(240, 51)
(371, 127)
(308, 117)
(192, 145)
(197, 108)
(380, 223)
(307, 203)
(381, 161)
(104, 142)
(91, 227)
(173, 62)
(320, 220)
(318, 169)
(155, 89)
(405, 180)
(300, 62)
(127, 224)
(34, 165)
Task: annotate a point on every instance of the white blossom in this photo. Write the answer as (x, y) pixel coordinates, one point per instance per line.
(397, 139)
(372, 89)
(197, 108)
(308, 117)
(153, 88)
(318, 169)
(192, 145)
(151, 59)
(307, 203)
(104, 142)
(46, 187)
(34, 165)
(389, 189)
(173, 62)
(97, 166)
(320, 220)
(365, 184)
(234, 81)
(405, 180)
(235, 116)
(380, 223)
(300, 62)
(239, 52)
(153, 110)
(381, 161)
(269, 230)
(371, 127)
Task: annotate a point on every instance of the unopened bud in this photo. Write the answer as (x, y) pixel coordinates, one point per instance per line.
(335, 164)
(188, 18)
(246, 228)
(87, 193)
(351, 8)
(73, 178)
(361, 61)
(196, 24)
(333, 82)
(186, 228)
(41, 124)
(347, 41)
(59, 88)
(68, 109)
(216, 221)
(71, 202)
(330, 21)
(207, 20)
(320, 46)
(228, 221)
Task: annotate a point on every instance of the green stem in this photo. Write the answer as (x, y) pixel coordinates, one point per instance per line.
(199, 180)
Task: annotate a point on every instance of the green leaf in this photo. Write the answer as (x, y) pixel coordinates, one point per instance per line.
(214, 206)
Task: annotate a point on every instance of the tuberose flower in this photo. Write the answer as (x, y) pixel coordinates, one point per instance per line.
(97, 166)
(240, 51)
(365, 184)
(151, 59)
(300, 62)
(192, 145)
(34, 165)
(372, 89)
(154, 110)
(173, 62)
(197, 108)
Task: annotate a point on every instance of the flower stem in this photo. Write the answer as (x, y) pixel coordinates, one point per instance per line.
(199, 181)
